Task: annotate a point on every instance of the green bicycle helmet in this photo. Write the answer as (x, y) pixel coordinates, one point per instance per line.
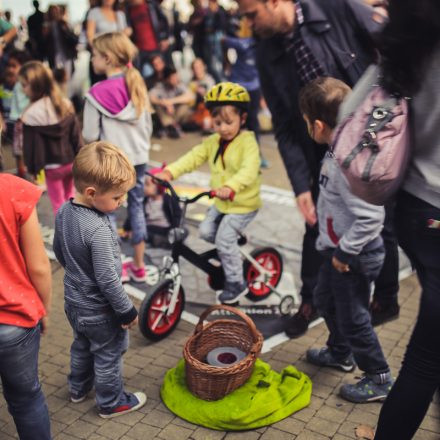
(227, 93)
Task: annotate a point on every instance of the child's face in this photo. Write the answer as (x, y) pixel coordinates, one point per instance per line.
(26, 88)
(227, 123)
(99, 62)
(107, 201)
(12, 69)
(150, 188)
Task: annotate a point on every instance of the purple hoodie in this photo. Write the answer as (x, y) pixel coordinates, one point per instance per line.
(112, 93)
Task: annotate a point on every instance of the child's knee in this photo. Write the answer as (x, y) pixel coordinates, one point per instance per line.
(206, 233)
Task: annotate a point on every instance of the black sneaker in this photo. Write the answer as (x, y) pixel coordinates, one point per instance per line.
(172, 132)
(299, 323)
(232, 292)
(369, 389)
(322, 357)
(383, 312)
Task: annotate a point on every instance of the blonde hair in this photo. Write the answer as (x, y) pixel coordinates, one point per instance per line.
(42, 83)
(104, 166)
(121, 52)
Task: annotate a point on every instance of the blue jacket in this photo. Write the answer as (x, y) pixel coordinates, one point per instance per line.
(244, 70)
(340, 35)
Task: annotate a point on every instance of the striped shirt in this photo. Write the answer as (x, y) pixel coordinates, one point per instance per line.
(87, 247)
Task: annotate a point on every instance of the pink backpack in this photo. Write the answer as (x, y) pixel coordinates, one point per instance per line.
(372, 146)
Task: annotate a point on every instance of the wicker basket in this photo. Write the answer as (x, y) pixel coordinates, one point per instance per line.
(213, 383)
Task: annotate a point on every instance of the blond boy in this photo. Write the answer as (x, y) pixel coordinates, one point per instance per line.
(96, 304)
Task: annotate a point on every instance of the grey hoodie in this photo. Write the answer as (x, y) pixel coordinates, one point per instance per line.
(346, 223)
(123, 129)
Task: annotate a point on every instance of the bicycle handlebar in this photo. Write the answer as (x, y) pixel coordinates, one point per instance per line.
(211, 194)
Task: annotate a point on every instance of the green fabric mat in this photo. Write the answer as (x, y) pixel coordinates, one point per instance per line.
(265, 398)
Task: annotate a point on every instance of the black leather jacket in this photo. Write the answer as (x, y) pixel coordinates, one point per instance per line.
(340, 34)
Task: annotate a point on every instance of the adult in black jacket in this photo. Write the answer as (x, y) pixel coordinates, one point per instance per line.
(298, 42)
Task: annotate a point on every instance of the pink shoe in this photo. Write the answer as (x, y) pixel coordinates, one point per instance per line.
(136, 274)
(125, 277)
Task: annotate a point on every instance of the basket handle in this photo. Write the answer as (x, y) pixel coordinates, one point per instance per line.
(242, 315)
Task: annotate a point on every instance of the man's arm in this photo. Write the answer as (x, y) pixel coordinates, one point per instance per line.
(286, 129)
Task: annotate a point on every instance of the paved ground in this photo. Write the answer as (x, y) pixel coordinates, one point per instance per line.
(327, 417)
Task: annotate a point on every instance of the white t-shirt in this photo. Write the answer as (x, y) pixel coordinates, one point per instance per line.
(103, 25)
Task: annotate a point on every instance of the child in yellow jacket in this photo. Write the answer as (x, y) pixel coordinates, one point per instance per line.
(234, 161)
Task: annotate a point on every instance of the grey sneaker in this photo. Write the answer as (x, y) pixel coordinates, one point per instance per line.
(324, 358)
(368, 389)
(232, 292)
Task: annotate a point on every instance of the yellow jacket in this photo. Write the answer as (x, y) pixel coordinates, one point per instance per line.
(241, 170)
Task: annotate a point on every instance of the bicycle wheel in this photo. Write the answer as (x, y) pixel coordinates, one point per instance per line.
(154, 323)
(271, 260)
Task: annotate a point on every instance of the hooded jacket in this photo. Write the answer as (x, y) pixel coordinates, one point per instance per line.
(109, 114)
(239, 169)
(47, 140)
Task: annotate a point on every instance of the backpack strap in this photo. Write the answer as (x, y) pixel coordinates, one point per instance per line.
(379, 117)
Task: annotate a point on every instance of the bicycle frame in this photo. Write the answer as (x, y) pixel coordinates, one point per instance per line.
(202, 261)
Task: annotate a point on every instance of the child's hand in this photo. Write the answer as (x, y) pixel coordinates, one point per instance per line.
(164, 175)
(131, 324)
(224, 193)
(340, 266)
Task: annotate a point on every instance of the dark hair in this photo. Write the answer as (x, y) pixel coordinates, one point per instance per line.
(320, 99)
(168, 71)
(220, 110)
(407, 43)
(21, 56)
(36, 4)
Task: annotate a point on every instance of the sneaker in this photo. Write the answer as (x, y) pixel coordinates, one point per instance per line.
(131, 402)
(172, 132)
(125, 277)
(299, 323)
(324, 358)
(383, 312)
(368, 389)
(136, 274)
(232, 292)
(78, 398)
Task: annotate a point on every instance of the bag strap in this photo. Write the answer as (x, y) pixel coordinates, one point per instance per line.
(379, 117)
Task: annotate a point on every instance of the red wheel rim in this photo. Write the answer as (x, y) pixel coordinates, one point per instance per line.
(158, 321)
(270, 262)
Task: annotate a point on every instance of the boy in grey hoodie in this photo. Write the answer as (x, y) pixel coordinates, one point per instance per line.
(350, 242)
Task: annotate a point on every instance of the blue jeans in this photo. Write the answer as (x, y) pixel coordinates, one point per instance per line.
(96, 355)
(19, 374)
(223, 230)
(343, 300)
(411, 395)
(135, 209)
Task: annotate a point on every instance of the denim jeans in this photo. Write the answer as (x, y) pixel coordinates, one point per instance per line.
(135, 209)
(223, 230)
(19, 374)
(96, 355)
(419, 376)
(343, 300)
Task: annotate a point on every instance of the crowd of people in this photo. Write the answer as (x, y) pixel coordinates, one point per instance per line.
(304, 57)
